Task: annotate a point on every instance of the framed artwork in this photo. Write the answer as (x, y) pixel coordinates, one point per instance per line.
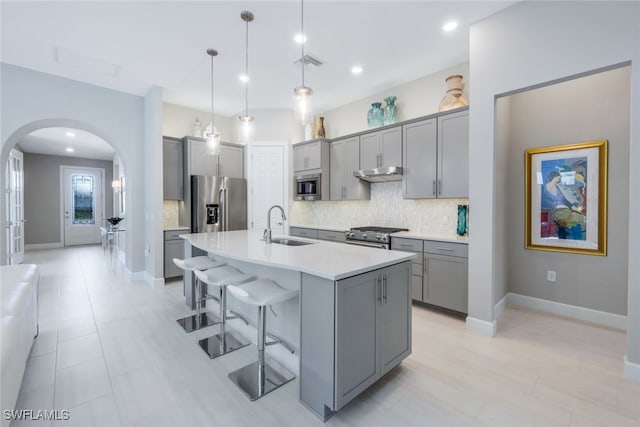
(566, 198)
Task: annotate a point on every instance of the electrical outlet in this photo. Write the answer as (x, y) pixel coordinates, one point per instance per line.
(551, 276)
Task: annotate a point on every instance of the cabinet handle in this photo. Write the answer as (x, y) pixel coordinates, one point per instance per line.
(444, 249)
(434, 187)
(439, 186)
(406, 244)
(384, 288)
(379, 287)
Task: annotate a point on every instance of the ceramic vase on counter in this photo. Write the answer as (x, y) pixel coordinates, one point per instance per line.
(390, 110)
(375, 116)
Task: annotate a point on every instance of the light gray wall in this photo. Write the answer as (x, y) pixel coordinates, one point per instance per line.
(32, 100)
(586, 109)
(503, 126)
(42, 194)
(532, 43)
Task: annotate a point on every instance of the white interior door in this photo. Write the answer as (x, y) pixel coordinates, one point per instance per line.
(267, 186)
(15, 208)
(82, 207)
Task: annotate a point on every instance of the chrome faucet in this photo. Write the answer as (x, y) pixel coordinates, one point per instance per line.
(267, 232)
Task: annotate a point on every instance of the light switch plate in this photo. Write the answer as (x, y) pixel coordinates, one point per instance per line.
(551, 276)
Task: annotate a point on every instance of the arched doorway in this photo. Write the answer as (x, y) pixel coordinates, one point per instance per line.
(47, 210)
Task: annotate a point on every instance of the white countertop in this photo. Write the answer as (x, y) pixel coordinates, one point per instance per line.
(451, 238)
(328, 260)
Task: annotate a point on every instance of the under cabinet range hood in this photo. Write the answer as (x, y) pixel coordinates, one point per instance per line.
(391, 173)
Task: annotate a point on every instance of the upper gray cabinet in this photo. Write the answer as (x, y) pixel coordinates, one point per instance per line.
(231, 161)
(436, 157)
(307, 156)
(228, 159)
(453, 155)
(172, 168)
(381, 148)
(344, 160)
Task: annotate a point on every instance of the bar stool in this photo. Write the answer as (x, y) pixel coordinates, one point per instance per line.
(260, 377)
(200, 319)
(224, 342)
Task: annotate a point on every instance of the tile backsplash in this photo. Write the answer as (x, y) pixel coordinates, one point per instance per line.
(386, 208)
(170, 213)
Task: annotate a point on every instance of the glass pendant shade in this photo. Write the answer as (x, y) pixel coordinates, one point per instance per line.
(304, 106)
(245, 127)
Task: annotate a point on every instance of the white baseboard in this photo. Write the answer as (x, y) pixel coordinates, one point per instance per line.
(134, 275)
(631, 371)
(481, 326)
(153, 281)
(41, 246)
(603, 318)
(498, 309)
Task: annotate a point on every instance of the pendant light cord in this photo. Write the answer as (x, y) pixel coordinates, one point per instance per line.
(246, 71)
(303, 37)
(212, 121)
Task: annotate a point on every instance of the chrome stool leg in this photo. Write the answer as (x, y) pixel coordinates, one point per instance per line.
(260, 377)
(200, 319)
(224, 342)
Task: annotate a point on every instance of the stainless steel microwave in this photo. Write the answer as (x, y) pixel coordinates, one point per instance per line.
(308, 187)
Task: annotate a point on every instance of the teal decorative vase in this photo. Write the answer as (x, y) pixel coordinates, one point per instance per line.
(463, 220)
(375, 116)
(390, 110)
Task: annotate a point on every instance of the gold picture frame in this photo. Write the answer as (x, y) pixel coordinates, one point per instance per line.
(566, 198)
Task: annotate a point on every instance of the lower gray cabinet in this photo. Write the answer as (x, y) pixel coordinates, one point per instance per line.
(446, 281)
(345, 350)
(333, 236)
(373, 314)
(173, 248)
(309, 233)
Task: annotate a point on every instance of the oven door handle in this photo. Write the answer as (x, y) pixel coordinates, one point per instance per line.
(371, 245)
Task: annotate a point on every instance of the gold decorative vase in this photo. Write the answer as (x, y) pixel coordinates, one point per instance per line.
(318, 131)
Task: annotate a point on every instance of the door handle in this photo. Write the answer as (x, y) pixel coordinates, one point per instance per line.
(384, 288)
(379, 288)
(439, 186)
(434, 187)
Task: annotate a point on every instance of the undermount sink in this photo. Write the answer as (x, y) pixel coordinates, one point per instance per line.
(290, 242)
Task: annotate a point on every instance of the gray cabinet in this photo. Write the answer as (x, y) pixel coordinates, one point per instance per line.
(439, 276)
(333, 236)
(228, 159)
(173, 248)
(172, 169)
(307, 156)
(436, 157)
(231, 161)
(345, 159)
(381, 148)
(453, 155)
(309, 233)
(373, 312)
(419, 164)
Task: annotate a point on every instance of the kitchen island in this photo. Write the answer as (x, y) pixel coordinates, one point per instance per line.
(352, 321)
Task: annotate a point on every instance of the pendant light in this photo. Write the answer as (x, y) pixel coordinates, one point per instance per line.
(246, 119)
(211, 133)
(303, 93)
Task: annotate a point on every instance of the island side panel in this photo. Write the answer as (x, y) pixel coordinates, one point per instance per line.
(317, 351)
(395, 317)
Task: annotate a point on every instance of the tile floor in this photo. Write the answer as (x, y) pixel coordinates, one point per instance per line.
(110, 352)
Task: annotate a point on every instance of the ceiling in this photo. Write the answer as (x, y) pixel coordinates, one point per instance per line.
(54, 141)
(129, 46)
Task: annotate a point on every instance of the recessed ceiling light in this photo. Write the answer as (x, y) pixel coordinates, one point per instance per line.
(356, 70)
(69, 150)
(450, 26)
(244, 78)
(70, 134)
(300, 38)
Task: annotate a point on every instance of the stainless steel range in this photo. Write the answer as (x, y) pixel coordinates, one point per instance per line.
(376, 237)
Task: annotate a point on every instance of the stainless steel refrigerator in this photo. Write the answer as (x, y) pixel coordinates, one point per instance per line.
(218, 203)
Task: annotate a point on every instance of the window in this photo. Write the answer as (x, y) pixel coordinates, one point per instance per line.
(83, 199)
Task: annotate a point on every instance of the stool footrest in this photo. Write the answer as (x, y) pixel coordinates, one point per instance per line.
(277, 340)
(237, 316)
